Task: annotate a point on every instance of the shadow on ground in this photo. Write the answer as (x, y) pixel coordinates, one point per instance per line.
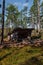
(32, 61)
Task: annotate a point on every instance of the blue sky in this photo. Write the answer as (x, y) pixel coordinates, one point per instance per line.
(19, 3)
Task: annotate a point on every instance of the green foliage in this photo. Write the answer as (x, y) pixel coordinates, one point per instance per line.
(12, 14)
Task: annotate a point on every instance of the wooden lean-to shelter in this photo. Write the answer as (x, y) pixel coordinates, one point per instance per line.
(20, 33)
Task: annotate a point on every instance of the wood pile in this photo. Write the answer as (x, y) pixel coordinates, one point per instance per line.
(36, 43)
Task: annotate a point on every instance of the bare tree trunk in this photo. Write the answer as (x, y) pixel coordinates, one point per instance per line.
(32, 19)
(3, 10)
(38, 15)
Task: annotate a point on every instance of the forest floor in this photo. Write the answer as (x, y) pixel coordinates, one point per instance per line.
(23, 53)
(27, 55)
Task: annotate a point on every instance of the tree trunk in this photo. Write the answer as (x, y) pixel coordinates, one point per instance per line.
(38, 15)
(32, 20)
(3, 10)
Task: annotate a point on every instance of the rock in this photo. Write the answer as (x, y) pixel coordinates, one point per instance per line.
(1, 46)
(21, 46)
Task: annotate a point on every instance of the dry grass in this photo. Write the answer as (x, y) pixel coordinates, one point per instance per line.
(20, 56)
